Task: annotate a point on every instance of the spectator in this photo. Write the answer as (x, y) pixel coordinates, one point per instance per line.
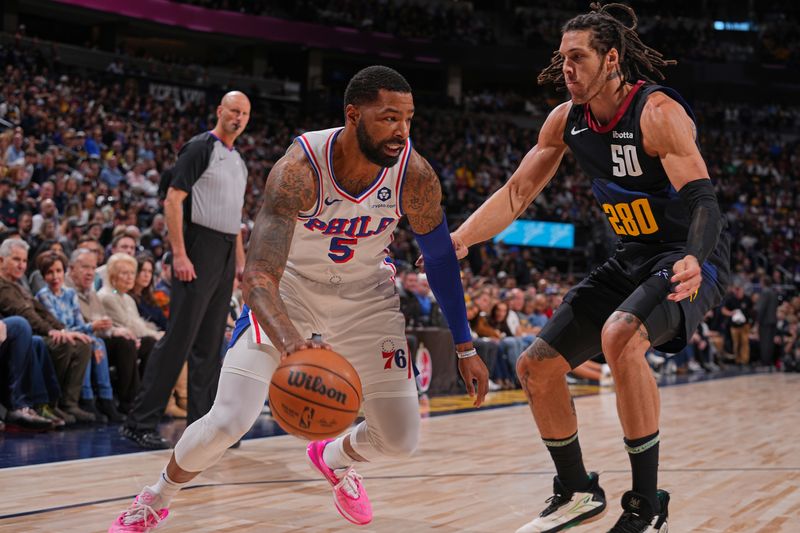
(111, 174)
(24, 226)
(9, 208)
(15, 154)
(142, 292)
(417, 305)
(69, 352)
(15, 352)
(122, 244)
(163, 287)
(766, 321)
(121, 307)
(123, 347)
(62, 302)
(738, 307)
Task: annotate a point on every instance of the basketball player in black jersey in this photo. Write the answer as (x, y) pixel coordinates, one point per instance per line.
(637, 143)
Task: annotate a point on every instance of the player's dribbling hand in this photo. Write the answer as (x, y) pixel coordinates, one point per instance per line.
(688, 277)
(304, 345)
(473, 369)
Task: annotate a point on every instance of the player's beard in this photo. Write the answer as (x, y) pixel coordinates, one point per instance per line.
(373, 151)
(593, 88)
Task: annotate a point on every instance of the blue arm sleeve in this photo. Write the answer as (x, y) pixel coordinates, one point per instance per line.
(441, 267)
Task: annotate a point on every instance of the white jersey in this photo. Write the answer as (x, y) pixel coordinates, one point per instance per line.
(345, 238)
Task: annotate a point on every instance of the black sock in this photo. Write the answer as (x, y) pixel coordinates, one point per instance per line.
(643, 454)
(566, 454)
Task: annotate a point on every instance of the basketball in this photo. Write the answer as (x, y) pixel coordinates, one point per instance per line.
(315, 394)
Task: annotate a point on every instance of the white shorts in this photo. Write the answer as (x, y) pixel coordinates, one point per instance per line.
(361, 321)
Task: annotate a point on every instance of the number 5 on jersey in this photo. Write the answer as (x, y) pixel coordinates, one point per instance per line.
(340, 251)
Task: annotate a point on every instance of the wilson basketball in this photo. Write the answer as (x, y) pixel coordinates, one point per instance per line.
(315, 394)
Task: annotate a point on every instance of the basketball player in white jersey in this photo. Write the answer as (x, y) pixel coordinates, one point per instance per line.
(318, 275)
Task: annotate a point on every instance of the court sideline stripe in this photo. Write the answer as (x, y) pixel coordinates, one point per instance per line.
(409, 476)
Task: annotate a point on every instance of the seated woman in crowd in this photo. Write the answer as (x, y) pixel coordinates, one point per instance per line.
(500, 372)
(121, 307)
(35, 280)
(150, 310)
(512, 346)
(142, 292)
(62, 302)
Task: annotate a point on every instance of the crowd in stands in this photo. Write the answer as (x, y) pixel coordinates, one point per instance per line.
(411, 19)
(686, 28)
(85, 268)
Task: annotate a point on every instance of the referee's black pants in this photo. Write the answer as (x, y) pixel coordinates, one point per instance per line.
(197, 316)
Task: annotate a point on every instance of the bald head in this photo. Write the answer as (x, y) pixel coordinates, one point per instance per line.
(233, 113)
(234, 98)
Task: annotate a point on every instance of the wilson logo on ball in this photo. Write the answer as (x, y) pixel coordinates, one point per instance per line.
(315, 384)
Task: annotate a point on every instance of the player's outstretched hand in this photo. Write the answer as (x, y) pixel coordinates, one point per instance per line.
(473, 369)
(304, 345)
(458, 246)
(688, 277)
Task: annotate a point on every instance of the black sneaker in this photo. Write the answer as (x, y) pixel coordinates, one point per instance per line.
(107, 407)
(568, 509)
(90, 406)
(638, 515)
(148, 439)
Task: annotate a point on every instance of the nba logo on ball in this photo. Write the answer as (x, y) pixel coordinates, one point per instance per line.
(306, 416)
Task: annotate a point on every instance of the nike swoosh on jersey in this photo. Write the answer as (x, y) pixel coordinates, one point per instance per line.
(329, 201)
(575, 132)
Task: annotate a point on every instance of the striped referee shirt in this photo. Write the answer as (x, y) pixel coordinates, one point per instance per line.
(215, 178)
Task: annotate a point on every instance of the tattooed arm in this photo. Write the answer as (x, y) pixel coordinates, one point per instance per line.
(290, 189)
(422, 196)
(421, 199)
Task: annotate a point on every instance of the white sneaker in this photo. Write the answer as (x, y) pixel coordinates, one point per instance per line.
(655, 360)
(494, 386)
(567, 509)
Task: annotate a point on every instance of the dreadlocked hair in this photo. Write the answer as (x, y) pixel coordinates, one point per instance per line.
(636, 60)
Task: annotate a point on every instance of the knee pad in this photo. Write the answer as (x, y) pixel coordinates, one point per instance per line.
(391, 428)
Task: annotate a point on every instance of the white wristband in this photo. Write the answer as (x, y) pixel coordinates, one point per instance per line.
(469, 353)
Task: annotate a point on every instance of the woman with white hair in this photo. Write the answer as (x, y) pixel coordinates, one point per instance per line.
(121, 307)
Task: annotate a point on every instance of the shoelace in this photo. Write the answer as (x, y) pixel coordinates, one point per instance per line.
(555, 501)
(141, 512)
(348, 480)
(630, 523)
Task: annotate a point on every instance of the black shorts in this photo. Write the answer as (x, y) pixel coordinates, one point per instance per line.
(637, 281)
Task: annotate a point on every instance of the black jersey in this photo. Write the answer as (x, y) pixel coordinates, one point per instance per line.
(631, 186)
(642, 206)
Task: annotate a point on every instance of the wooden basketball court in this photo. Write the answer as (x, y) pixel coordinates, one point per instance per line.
(729, 456)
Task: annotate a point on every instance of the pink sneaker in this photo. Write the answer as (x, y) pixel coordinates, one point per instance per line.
(349, 495)
(140, 517)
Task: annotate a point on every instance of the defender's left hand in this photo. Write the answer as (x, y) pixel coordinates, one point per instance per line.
(688, 277)
(473, 369)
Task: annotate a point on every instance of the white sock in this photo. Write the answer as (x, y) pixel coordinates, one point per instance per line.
(166, 488)
(335, 456)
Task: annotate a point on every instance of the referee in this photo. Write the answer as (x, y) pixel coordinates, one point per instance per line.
(203, 209)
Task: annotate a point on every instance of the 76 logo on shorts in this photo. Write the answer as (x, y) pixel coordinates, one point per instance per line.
(392, 354)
